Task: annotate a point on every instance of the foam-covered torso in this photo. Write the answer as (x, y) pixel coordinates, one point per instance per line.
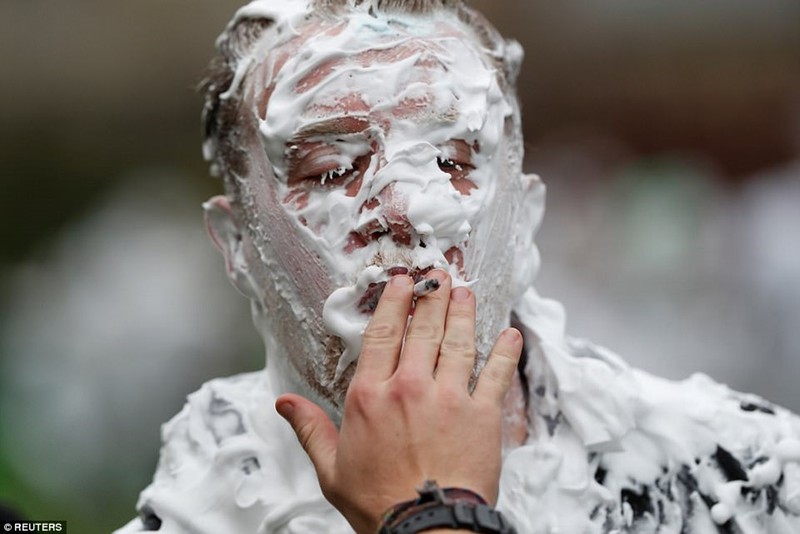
(610, 449)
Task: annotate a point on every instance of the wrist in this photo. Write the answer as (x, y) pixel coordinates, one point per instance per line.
(444, 510)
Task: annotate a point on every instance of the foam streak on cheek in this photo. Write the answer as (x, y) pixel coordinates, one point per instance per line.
(346, 322)
(295, 271)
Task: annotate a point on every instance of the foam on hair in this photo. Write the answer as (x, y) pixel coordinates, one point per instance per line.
(221, 113)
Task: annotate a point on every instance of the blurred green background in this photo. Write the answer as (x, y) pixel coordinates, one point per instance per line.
(668, 134)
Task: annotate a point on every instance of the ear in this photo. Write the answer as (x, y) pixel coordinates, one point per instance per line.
(227, 236)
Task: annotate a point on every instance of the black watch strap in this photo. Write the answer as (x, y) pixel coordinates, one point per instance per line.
(475, 518)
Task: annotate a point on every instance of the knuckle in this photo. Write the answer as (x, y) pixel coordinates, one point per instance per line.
(360, 396)
(508, 352)
(425, 331)
(459, 346)
(494, 373)
(499, 374)
(462, 312)
(452, 398)
(407, 385)
(305, 434)
(506, 362)
(380, 333)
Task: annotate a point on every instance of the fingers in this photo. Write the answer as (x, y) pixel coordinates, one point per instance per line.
(426, 330)
(496, 376)
(383, 337)
(457, 352)
(315, 432)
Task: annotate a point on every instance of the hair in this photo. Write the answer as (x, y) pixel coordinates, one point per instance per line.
(221, 112)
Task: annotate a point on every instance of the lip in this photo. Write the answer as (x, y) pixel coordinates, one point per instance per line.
(369, 300)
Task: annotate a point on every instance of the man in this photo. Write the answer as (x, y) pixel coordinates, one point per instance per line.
(368, 141)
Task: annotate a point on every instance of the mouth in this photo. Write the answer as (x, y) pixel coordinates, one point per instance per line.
(369, 300)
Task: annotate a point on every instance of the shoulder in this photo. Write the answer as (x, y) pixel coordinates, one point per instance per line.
(229, 463)
(691, 456)
(714, 456)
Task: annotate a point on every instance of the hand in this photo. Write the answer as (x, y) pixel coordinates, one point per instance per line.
(408, 415)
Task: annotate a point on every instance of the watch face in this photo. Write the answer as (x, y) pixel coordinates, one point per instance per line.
(447, 508)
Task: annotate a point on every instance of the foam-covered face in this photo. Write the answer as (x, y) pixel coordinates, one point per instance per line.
(384, 150)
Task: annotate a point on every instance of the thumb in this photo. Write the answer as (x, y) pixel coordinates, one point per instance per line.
(315, 432)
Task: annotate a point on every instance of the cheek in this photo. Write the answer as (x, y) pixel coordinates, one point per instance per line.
(462, 184)
(295, 203)
(296, 199)
(354, 187)
(312, 204)
(455, 256)
(354, 242)
(330, 216)
(285, 254)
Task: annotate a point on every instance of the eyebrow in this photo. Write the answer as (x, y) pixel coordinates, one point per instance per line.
(334, 125)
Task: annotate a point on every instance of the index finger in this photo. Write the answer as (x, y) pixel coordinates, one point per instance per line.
(383, 337)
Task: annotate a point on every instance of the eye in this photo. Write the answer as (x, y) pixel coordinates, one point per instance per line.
(459, 173)
(335, 174)
(318, 164)
(446, 164)
(454, 167)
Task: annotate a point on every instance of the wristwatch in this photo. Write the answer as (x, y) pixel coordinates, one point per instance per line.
(453, 508)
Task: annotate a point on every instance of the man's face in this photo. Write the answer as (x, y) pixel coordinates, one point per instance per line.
(383, 150)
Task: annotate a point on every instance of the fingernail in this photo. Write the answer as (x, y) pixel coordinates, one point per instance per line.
(439, 274)
(460, 294)
(512, 335)
(401, 280)
(285, 409)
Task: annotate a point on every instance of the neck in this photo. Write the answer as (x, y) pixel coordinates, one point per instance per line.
(515, 415)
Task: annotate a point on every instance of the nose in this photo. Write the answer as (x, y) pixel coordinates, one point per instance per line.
(389, 209)
(395, 211)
